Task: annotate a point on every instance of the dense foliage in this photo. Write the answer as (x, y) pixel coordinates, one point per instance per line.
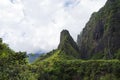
(13, 65)
(78, 70)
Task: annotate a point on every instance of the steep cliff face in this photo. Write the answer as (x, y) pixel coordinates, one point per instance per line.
(101, 36)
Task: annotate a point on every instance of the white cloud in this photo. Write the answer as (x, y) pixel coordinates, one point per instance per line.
(35, 25)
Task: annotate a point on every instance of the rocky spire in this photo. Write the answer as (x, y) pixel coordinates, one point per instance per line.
(67, 44)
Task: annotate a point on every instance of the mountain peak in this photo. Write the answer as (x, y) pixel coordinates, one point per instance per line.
(67, 44)
(64, 38)
(64, 32)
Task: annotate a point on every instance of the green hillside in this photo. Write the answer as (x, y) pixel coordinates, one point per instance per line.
(100, 39)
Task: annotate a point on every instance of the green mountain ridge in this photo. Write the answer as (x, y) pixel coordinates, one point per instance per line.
(100, 37)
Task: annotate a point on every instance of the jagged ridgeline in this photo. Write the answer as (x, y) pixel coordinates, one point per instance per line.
(100, 39)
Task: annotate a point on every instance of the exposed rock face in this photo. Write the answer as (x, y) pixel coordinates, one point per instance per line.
(101, 36)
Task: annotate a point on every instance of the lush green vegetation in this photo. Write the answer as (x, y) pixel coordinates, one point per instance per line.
(13, 65)
(56, 65)
(78, 70)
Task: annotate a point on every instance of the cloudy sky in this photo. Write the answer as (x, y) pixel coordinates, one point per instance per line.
(35, 25)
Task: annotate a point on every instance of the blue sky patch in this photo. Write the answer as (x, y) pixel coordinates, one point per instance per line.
(71, 3)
